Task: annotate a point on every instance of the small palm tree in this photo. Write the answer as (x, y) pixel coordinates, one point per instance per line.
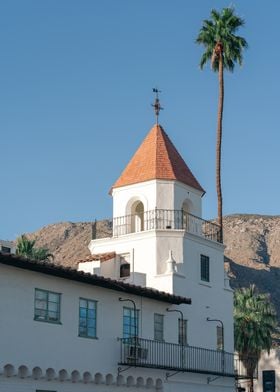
(223, 49)
(254, 323)
(26, 248)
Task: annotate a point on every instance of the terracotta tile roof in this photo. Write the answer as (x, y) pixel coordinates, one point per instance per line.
(157, 158)
(93, 280)
(100, 256)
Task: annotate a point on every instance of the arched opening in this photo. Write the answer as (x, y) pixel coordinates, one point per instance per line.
(87, 377)
(9, 370)
(75, 376)
(186, 211)
(137, 217)
(23, 371)
(37, 373)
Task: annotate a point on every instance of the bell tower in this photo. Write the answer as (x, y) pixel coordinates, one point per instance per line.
(160, 239)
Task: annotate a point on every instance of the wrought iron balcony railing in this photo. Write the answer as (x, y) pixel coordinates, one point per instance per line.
(146, 353)
(161, 219)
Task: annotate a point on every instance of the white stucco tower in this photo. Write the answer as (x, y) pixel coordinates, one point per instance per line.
(160, 239)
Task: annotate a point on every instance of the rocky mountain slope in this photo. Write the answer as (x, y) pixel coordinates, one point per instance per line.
(252, 248)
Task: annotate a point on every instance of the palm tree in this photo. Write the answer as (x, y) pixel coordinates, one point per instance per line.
(254, 323)
(26, 248)
(223, 49)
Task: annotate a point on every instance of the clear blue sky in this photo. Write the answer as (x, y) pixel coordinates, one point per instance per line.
(75, 102)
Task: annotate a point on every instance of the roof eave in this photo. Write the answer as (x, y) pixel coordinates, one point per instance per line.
(99, 281)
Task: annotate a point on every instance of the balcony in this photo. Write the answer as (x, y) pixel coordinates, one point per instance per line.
(169, 356)
(160, 219)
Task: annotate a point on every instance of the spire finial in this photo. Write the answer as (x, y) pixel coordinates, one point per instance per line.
(157, 105)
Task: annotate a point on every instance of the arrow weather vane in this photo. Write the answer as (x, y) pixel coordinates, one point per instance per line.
(157, 107)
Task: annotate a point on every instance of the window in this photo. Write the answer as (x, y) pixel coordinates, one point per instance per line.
(87, 318)
(130, 322)
(5, 249)
(158, 326)
(220, 338)
(268, 380)
(204, 268)
(47, 306)
(124, 270)
(182, 332)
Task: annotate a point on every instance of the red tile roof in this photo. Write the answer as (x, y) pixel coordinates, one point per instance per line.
(157, 158)
(100, 256)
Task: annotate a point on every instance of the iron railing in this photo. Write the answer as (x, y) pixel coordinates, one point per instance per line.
(160, 219)
(140, 352)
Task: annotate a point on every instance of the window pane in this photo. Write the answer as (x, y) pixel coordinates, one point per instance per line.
(53, 316)
(126, 312)
(182, 332)
(39, 304)
(53, 307)
(83, 312)
(204, 268)
(220, 338)
(83, 331)
(91, 304)
(158, 326)
(91, 332)
(53, 297)
(91, 323)
(41, 294)
(40, 314)
(91, 313)
(83, 303)
(46, 306)
(130, 322)
(87, 320)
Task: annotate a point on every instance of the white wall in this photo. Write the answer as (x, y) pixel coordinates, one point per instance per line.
(149, 253)
(24, 341)
(269, 361)
(159, 194)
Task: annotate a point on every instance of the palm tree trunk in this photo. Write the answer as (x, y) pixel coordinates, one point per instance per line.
(251, 385)
(219, 145)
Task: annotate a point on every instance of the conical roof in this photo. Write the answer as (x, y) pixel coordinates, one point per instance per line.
(157, 158)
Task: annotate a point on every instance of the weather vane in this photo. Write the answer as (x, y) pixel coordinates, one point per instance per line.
(157, 105)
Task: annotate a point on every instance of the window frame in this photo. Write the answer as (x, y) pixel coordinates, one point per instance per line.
(87, 336)
(269, 376)
(159, 331)
(182, 332)
(131, 326)
(204, 268)
(47, 318)
(220, 338)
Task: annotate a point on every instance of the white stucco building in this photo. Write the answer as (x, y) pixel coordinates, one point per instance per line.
(151, 308)
(7, 247)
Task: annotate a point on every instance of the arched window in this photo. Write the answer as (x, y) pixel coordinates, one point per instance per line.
(137, 217)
